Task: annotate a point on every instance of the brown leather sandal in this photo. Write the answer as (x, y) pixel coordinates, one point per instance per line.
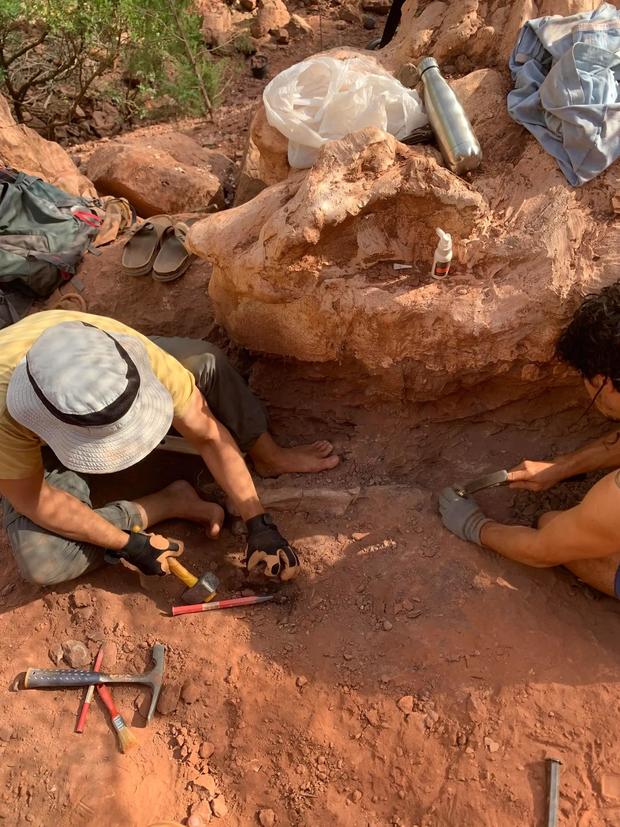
(141, 250)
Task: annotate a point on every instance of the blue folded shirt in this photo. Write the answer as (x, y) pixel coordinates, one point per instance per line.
(566, 72)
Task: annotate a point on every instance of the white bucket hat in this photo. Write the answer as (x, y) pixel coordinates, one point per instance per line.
(91, 396)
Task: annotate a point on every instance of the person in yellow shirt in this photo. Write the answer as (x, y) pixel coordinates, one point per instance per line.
(102, 396)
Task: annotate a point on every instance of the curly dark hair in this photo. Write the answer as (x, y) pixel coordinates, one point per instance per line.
(591, 342)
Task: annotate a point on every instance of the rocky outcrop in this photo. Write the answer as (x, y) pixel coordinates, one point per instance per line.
(25, 150)
(168, 173)
(467, 34)
(305, 269)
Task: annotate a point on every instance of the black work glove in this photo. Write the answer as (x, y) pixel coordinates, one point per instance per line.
(266, 545)
(141, 553)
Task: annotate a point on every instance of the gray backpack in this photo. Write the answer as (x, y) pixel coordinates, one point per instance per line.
(44, 233)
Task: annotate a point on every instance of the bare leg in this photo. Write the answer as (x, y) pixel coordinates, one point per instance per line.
(599, 573)
(270, 459)
(180, 501)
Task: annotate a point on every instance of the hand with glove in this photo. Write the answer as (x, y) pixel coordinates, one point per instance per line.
(147, 552)
(462, 515)
(268, 547)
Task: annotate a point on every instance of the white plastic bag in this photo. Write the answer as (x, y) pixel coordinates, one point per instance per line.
(323, 99)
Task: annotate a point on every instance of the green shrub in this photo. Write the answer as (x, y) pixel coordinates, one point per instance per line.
(55, 54)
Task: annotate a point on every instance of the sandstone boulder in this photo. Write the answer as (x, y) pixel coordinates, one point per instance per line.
(25, 150)
(294, 259)
(168, 173)
(304, 270)
(265, 161)
(272, 15)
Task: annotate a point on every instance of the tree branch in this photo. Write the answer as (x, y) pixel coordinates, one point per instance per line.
(191, 57)
(27, 48)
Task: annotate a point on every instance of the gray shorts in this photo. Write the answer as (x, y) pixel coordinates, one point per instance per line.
(47, 559)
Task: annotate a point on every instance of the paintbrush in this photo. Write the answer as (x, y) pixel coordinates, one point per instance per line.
(126, 739)
(79, 727)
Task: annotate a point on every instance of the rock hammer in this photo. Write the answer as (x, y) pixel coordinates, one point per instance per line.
(63, 678)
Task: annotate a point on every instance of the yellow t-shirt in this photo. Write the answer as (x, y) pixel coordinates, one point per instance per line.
(20, 449)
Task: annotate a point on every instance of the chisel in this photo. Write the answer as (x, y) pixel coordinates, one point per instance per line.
(221, 604)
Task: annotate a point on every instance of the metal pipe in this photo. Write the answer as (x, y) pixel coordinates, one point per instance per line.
(553, 765)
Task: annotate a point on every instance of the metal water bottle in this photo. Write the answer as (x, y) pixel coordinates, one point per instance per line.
(455, 135)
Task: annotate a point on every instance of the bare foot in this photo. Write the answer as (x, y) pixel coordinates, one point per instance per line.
(188, 505)
(271, 459)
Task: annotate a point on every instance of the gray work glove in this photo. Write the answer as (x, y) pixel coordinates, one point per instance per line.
(462, 515)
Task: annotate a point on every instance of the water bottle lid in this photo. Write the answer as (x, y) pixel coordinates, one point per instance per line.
(427, 63)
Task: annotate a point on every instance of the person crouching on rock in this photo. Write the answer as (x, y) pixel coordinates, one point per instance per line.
(586, 538)
(101, 396)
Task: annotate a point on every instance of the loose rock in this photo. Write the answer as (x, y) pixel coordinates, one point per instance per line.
(190, 691)
(110, 653)
(206, 750)
(218, 807)
(377, 6)
(55, 654)
(301, 681)
(350, 14)
(356, 796)
(300, 26)
(387, 626)
(405, 704)
(5, 732)
(281, 36)
(272, 15)
(216, 22)
(369, 22)
(206, 782)
(75, 653)
(169, 698)
(266, 818)
(81, 597)
(491, 745)
(372, 716)
(408, 75)
(201, 810)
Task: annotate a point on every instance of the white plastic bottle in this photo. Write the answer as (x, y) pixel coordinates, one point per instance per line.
(443, 255)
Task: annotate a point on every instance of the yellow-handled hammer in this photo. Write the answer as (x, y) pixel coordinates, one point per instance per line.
(199, 589)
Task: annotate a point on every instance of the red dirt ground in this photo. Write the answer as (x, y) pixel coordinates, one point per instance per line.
(406, 678)
(504, 665)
